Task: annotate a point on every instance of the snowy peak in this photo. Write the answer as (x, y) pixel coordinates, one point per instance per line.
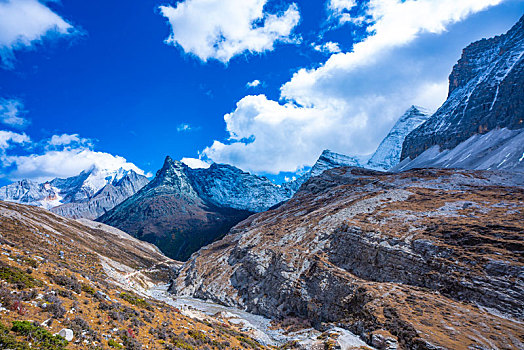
(329, 160)
(74, 190)
(388, 152)
(26, 191)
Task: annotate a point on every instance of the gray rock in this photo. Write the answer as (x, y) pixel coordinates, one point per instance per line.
(67, 334)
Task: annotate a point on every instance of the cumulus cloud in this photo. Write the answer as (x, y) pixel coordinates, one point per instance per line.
(11, 113)
(68, 156)
(253, 83)
(222, 29)
(195, 163)
(63, 163)
(349, 103)
(329, 47)
(24, 23)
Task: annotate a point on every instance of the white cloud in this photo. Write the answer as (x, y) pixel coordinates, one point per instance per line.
(64, 163)
(253, 83)
(25, 22)
(67, 139)
(69, 156)
(184, 127)
(329, 47)
(195, 163)
(339, 10)
(349, 103)
(8, 138)
(11, 112)
(222, 29)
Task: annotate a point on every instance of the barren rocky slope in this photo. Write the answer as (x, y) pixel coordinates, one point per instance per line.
(83, 279)
(429, 258)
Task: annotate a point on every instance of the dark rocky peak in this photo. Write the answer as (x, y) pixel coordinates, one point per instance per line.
(478, 56)
(485, 93)
(174, 178)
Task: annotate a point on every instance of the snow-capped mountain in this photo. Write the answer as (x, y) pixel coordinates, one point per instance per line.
(91, 201)
(228, 186)
(29, 192)
(87, 195)
(330, 160)
(486, 92)
(388, 152)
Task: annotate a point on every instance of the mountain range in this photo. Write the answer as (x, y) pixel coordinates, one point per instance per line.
(88, 195)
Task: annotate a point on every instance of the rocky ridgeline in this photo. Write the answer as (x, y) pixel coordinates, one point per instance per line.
(420, 256)
(485, 93)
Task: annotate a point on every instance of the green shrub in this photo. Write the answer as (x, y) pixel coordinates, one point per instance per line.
(246, 342)
(114, 344)
(15, 276)
(86, 288)
(8, 341)
(39, 336)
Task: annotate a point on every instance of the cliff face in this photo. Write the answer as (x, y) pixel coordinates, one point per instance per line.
(421, 255)
(486, 92)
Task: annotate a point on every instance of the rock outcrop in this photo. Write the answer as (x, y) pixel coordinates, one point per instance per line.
(486, 92)
(423, 255)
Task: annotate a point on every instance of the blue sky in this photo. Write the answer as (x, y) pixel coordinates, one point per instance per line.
(100, 77)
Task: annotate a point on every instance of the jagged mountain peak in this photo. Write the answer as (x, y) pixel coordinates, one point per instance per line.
(388, 152)
(77, 196)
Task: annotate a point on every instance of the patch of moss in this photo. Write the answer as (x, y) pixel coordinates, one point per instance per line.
(18, 277)
(86, 288)
(39, 336)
